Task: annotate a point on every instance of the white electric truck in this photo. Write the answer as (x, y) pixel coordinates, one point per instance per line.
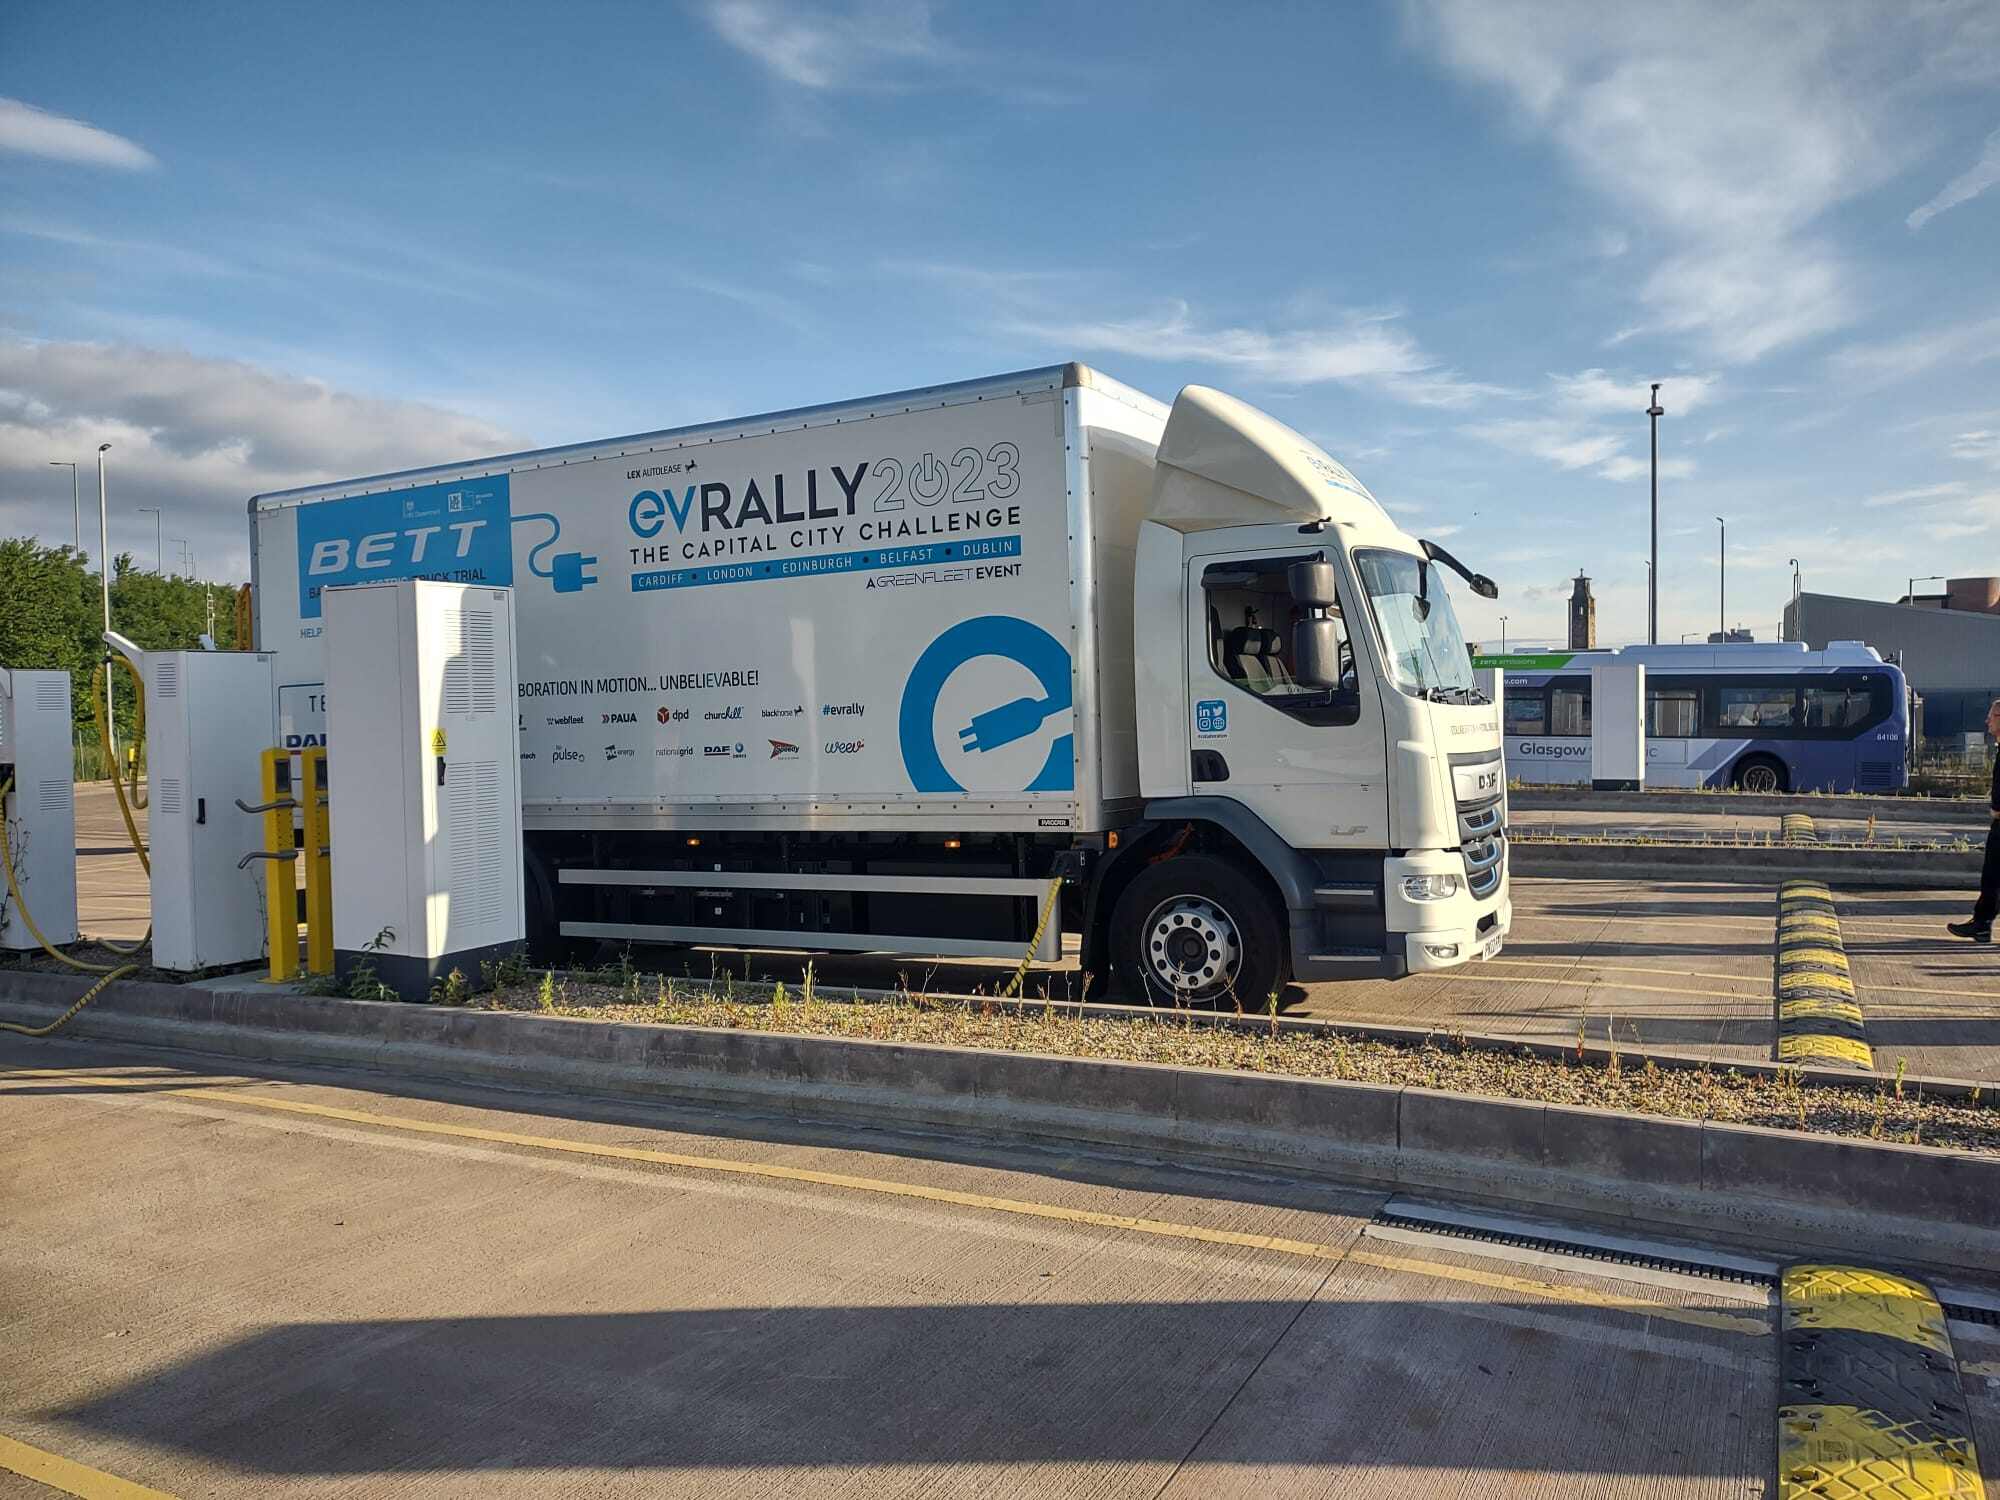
(868, 676)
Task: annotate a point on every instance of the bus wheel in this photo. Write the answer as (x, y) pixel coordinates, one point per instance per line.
(1759, 773)
(1195, 930)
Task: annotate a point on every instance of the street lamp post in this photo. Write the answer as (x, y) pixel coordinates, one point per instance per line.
(104, 577)
(75, 505)
(1722, 577)
(1503, 635)
(1654, 412)
(159, 544)
(1911, 596)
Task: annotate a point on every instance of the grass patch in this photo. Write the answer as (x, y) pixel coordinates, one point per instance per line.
(1871, 1109)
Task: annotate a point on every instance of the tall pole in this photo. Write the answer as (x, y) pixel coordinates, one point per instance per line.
(1654, 412)
(75, 504)
(104, 576)
(159, 543)
(1503, 635)
(1722, 577)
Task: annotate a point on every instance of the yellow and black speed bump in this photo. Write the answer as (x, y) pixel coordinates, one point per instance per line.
(1819, 1019)
(1870, 1406)
(1797, 828)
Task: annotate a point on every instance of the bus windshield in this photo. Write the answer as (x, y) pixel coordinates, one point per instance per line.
(1427, 654)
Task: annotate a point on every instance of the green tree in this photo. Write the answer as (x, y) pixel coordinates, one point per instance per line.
(51, 616)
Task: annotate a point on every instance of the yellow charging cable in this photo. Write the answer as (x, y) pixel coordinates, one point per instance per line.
(1054, 898)
(109, 971)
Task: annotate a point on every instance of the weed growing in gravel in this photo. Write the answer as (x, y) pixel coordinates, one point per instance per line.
(1607, 1078)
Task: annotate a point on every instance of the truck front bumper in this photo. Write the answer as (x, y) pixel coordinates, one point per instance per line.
(1445, 933)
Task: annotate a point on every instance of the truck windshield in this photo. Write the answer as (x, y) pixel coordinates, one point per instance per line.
(1427, 654)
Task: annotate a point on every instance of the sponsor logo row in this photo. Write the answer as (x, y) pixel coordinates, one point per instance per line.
(736, 750)
(729, 713)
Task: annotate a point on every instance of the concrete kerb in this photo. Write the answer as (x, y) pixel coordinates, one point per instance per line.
(1968, 812)
(1749, 864)
(1916, 1205)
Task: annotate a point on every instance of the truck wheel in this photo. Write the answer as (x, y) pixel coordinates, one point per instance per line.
(1759, 773)
(1196, 930)
(546, 945)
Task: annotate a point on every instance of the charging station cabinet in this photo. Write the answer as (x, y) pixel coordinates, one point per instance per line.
(424, 779)
(1618, 727)
(36, 753)
(210, 716)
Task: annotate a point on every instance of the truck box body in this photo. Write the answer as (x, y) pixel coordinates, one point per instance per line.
(853, 615)
(887, 675)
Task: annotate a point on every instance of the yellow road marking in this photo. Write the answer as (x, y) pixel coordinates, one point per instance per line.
(1161, 1228)
(72, 1478)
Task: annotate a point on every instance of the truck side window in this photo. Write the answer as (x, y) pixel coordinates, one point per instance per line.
(1250, 616)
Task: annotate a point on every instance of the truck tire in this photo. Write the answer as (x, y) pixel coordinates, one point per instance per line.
(1197, 930)
(546, 945)
(1760, 773)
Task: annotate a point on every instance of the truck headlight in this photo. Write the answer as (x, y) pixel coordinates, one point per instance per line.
(1429, 887)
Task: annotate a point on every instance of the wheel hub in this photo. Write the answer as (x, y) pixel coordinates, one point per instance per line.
(1193, 948)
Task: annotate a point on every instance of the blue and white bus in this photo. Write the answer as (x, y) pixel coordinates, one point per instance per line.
(1762, 718)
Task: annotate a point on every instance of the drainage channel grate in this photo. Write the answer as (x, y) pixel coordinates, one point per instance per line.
(1960, 1312)
(1602, 1254)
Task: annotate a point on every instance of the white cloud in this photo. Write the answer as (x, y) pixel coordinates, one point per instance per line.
(1978, 447)
(822, 50)
(1596, 392)
(31, 131)
(1624, 468)
(1730, 128)
(1967, 185)
(196, 437)
(1367, 350)
(1921, 495)
(1870, 366)
(1552, 441)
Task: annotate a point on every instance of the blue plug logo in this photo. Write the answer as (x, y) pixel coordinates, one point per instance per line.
(989, 635)
(572, 572)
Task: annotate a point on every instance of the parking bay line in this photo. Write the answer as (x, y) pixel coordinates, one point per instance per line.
(69, 1476)
(1160, 1228)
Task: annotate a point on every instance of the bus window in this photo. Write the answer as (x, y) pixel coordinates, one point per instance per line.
(1749, 709)
(1672, 713)
(1569, 710)
(1845, 705)
(1527, 712)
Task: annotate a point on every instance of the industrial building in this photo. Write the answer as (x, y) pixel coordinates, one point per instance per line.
(1947, 644)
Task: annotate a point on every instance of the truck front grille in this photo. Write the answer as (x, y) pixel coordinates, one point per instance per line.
(1485, 862)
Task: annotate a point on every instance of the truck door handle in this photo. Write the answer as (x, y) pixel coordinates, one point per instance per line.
(200, 810)
(440, 761)
(1210, 766)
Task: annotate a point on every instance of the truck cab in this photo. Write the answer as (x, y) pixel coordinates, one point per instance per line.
(1313, 749)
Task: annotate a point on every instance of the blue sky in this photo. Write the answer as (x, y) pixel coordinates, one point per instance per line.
(1451, 239)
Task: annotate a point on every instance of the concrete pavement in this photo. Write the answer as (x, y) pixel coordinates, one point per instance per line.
(227, 1286)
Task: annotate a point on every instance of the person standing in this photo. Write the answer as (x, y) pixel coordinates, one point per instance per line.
(1980, 927)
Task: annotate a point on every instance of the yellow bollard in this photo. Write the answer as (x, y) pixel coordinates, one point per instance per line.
(319, 864)
(281, 898)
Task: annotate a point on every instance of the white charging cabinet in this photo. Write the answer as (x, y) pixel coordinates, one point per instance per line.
(424, 779)
(1618, 727)
(37, 755)
(210, 716)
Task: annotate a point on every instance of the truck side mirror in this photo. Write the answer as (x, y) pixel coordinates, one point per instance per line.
(1312, 584)
(1316, 651)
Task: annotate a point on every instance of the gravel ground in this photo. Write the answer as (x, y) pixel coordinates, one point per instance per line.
(1876, 1109)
